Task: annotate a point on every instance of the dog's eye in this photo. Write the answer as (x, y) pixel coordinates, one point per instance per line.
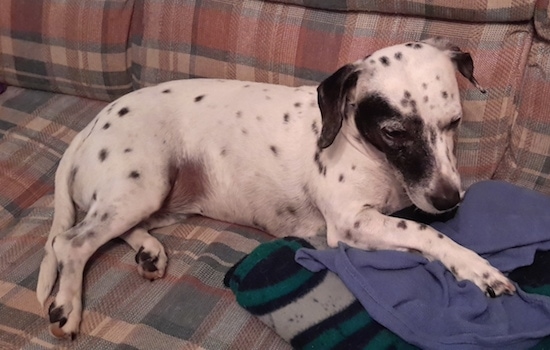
(394, 134)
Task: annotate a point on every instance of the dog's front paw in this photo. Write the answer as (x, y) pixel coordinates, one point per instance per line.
(478, 270)
(151, 260)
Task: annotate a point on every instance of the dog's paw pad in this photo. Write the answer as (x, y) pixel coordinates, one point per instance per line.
(151, 266)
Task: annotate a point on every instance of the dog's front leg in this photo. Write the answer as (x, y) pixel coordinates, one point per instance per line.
(371, 230)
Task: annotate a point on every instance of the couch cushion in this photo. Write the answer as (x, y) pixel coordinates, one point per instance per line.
(527, 160)
(542, 18)
(188, 308)
(292, 45)
(470, 11)
(75, 47)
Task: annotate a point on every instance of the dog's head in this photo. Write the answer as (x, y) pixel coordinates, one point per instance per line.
(404, 101)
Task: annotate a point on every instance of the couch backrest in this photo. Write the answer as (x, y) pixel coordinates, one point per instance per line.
(76, 47)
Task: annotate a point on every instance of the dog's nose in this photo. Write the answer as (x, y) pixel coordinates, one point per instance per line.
(445, 197)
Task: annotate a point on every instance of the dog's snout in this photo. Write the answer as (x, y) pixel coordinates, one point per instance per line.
(445, 196)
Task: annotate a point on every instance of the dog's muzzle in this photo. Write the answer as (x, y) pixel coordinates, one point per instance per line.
(445, 196)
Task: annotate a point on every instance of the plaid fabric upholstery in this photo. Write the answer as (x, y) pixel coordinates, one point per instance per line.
(542, 18)
(188, 309)
(471, 10)
(189, 44)
(527, 160)
(75, 47)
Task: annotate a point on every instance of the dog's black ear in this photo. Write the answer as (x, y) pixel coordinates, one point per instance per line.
(462, 60)
(465, 65)
(332, 96)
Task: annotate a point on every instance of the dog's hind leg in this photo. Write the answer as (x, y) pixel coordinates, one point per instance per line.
(150, 255)
(112, 214)
(63, 219)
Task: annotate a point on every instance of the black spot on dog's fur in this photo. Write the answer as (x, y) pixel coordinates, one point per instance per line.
(444, 94)
(357, 224)
(104, 217)
(167, 91)
(239, 114)
(199, 98)
(407, 94)
(404, 103)
(94, 196)
(385, 61)
(223, 152)
(348, 235)
(424, 86)
(56, 314)
(398, 56)
(454, 270)
(422, 227)
(291, 210)
(286, 117)
(106, 126)
(341, 178)
(127, 150)
(274, 150)
(417, 46)
(426, 99)
(315, 128)
(409, 44)
(353, 167)
(402, 224)
(134, 175)
(259, 118)
(123, 111)
(317, 159)
(440, 236)
(103, 154)
(60, 267)
(298, 104)
(244, 131)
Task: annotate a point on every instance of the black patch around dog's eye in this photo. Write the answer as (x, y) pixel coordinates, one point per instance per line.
(274, 150)
(167, 91)
(385, 61)
(134, 175)
(106, 126)
(199, 98)
(123, 111)
(398, 56)
(286, 117)
(402, 224)
(103, 154)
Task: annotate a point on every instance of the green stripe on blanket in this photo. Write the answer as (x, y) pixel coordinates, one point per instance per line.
(310, 310)
(314, 310)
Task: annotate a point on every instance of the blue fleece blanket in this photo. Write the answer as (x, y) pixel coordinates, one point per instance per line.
(424, 304)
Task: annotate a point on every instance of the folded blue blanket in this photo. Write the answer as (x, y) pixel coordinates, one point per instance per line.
(424, 304)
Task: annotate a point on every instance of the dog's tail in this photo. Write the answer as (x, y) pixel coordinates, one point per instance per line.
(63, 219)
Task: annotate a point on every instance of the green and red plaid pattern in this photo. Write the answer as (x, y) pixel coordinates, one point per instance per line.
(76, 47)
(469, 10)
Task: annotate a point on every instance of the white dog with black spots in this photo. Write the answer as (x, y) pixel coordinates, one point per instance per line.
(374, 137)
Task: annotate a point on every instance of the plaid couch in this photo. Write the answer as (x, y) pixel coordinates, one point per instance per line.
(63, 60)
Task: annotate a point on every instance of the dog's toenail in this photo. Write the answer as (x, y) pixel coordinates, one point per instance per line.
(491, 292)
